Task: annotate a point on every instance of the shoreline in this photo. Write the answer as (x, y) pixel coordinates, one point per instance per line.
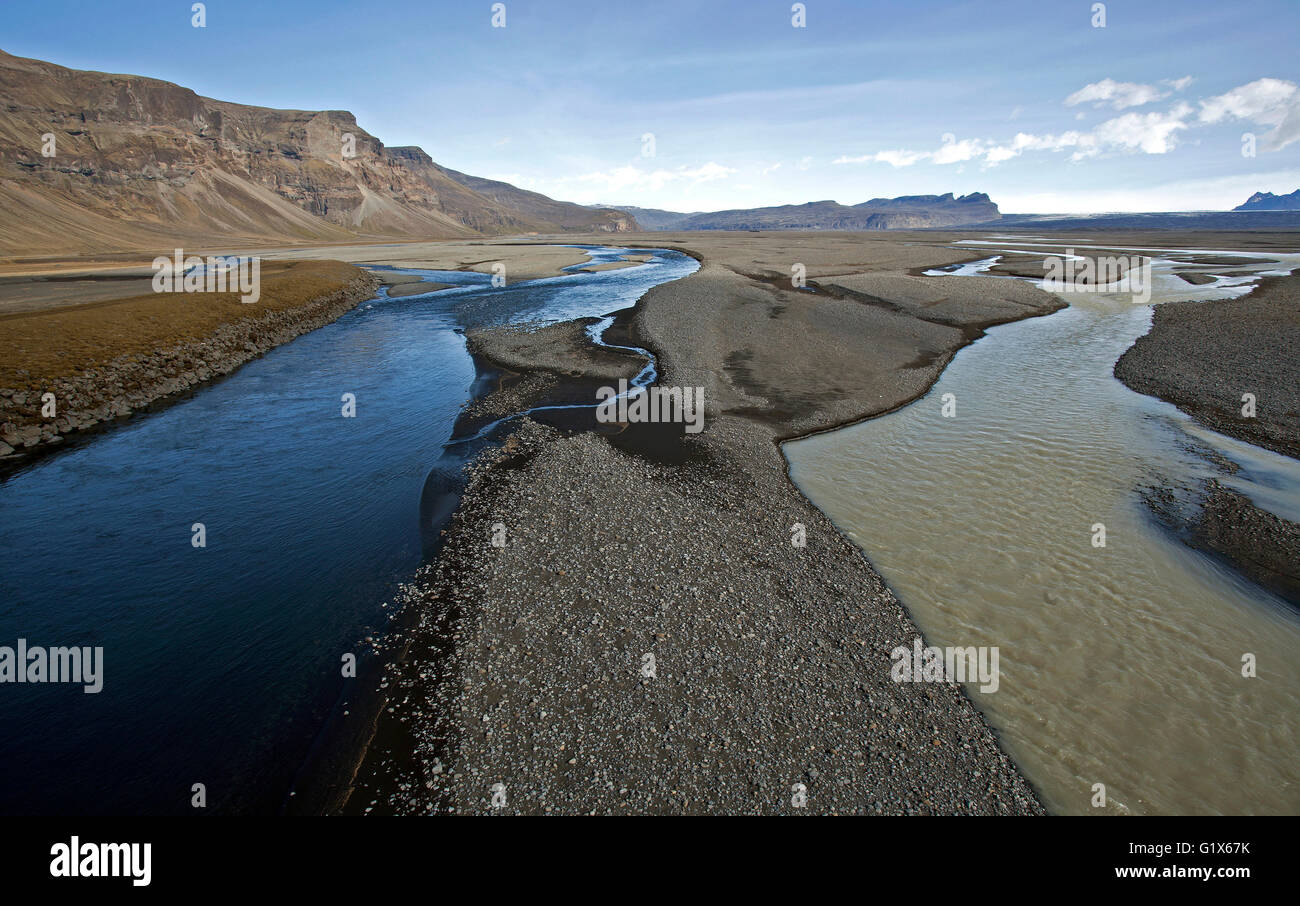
(143, 381)
(736, 460)
(1201, 357)
(133, 382)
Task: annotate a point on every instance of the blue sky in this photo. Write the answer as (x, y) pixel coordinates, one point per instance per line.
(1027, 101)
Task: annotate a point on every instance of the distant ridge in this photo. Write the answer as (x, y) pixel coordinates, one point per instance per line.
(1267, 201)
(1144, 220)
(907, 212)
(140, 163)
(653, 219)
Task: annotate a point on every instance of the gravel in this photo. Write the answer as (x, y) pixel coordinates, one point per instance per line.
(1203, 356)
(520, 686)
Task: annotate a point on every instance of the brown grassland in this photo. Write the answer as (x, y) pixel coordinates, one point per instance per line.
(63, 343)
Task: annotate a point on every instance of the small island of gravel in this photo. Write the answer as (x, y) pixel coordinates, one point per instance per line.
(525, 666)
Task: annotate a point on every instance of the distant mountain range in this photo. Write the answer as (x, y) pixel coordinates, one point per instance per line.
(1267, 201)
(94, 163)
(1153, 220)
(139, 163)
(907, 212)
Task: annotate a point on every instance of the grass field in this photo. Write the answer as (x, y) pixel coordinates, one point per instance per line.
(64, 343)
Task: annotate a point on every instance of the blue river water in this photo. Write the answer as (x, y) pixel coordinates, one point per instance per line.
(222, 663)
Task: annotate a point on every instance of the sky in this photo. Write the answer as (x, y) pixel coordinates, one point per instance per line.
(1049, 106)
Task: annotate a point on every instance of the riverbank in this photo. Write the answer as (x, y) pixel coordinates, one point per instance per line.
(104, 360)
(770, 676)
(512, 259)
(1203, 357)
(1045, 450)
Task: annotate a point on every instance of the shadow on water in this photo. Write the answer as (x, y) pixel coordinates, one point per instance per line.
(222, 662)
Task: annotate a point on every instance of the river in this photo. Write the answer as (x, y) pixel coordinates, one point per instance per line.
(222, 663)
(1120, 665)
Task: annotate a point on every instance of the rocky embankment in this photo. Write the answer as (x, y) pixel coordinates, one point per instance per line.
(131, 382)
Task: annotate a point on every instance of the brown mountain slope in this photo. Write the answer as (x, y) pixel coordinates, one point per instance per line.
(534, 204)
(142, 163)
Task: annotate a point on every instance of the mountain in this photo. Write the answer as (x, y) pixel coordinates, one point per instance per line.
(1155, 220)
(1267, 201)
(140, 163)
(562, 214)
(907, 212)
(653, 218)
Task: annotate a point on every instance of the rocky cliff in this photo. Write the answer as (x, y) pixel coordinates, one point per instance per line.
(92, 161)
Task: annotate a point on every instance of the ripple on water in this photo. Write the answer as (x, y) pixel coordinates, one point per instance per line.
(1120, 665)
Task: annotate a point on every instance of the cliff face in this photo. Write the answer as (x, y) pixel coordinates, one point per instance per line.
(904, 213)
(142, 163)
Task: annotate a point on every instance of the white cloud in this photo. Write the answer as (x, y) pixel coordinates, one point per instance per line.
(1261, 101)
(1152, 133)
(1287, 131)
(950, 152)
(1119, 95)
(1149, 133)
(893, 158)
(1266, 102)
(953, 151)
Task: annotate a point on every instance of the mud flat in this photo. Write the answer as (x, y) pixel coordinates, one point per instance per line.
(403, 284)
(522, 260)
(525, 677)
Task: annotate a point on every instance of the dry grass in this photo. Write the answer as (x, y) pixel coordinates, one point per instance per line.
(41, 346)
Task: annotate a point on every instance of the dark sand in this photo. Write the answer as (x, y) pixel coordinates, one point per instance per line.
(415, 288)
(1203, 356)
(772, 661)
(1262, 545)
